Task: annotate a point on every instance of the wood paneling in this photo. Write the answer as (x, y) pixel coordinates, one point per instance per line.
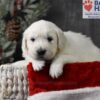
(67, 14)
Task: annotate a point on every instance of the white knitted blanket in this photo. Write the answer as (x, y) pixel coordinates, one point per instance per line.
(14, 86)
(13, 83)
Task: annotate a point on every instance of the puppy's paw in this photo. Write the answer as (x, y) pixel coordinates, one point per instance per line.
(56, 70)
(38, 65)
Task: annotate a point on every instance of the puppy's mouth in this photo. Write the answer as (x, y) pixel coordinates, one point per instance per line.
(47, 62)
(43, 58)
(40, 58)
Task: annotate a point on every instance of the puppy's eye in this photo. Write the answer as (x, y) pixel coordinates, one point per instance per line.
(49, 39)
(32, 39)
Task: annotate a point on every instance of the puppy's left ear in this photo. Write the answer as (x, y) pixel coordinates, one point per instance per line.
(24, 46)
(61, 40)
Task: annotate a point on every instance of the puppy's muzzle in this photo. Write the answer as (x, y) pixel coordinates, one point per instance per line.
(41, 53)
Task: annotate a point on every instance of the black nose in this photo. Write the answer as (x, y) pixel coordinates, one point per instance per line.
(41, 52)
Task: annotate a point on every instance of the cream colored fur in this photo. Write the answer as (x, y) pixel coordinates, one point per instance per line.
(65, 47)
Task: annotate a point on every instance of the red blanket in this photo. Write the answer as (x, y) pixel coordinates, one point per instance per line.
(76, 75)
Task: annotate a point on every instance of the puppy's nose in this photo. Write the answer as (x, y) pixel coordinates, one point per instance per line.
(41, 52)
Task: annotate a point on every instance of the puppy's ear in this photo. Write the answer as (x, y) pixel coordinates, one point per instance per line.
(24, 46)
(61, 40)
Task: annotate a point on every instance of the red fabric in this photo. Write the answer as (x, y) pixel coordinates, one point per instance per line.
(76, 75)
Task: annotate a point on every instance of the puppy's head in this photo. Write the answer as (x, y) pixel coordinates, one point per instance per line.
(43, 40)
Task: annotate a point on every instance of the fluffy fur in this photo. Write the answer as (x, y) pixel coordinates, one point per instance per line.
(60, 47)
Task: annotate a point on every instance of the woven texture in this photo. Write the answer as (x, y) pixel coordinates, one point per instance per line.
(13, 83)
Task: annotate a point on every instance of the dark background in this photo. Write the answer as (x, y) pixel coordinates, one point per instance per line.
(67, 14)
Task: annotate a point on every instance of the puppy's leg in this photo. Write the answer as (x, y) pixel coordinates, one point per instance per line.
(56, 68)
(38, 65)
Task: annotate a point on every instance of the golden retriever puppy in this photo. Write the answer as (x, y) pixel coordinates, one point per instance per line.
(43, 41)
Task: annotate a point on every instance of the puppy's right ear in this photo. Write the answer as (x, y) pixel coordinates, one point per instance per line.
(61, 40)
(24, 46)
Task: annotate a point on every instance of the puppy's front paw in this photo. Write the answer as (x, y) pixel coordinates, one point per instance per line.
(56, 70)
(38, 65)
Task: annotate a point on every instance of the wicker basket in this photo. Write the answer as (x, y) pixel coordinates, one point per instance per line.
(13, 83)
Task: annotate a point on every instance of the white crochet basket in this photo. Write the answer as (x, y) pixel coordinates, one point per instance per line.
(13, 83)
